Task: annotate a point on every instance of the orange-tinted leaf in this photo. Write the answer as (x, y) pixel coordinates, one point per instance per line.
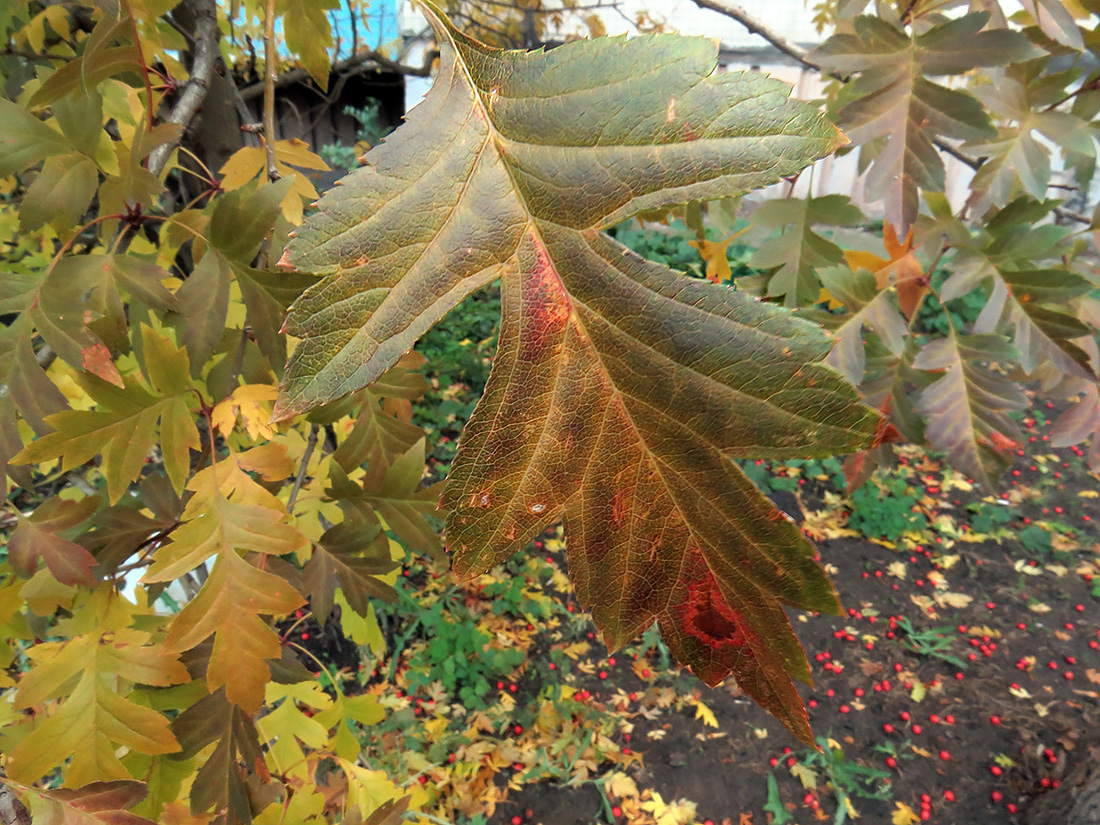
(230, 606)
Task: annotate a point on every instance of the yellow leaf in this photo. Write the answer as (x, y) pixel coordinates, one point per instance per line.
(705, 713)
(243, 165)
(806, 775)
(1019, 693)
(904, 815)
(620, 785)
(921, 752)
(94, 717)
(1088, 494)
(1039, 607)
(230, 606)
(958, 600)
(296, 152)
(896, 569)
(251, 406)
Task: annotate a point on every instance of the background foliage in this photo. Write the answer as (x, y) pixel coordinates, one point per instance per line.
(166, 541)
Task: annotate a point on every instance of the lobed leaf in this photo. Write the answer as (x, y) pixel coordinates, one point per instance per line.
(620, 389)
(896, 112)
(967, 406)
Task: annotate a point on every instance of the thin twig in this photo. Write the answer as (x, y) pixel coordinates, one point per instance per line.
(299, 479)
(271, 67)
(243, 112)
(756, 27)
(349, 64)
(202, 67)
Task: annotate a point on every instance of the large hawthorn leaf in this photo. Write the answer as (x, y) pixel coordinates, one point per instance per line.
(896, 113)
(968, 406)
(620, 389)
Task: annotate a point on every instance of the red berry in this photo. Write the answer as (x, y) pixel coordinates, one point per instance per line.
(949, 795)
(891, 762)
(995, 796)
(995, 770)
(917, 730)
(995, 720)
(888, 728)
(518, 820)
(616, 812)
(944, 755)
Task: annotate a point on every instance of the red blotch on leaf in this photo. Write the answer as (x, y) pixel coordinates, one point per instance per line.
(709, 619)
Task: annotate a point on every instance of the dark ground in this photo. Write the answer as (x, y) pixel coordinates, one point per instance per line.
(982, 743)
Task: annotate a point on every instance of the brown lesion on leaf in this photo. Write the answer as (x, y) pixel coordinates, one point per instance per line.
(709, 619)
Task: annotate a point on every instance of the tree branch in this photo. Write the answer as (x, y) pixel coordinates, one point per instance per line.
(756, 27)
(271, 68)
(346, 66)
(202, 67)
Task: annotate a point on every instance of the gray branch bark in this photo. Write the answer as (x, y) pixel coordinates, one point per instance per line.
(207, 34)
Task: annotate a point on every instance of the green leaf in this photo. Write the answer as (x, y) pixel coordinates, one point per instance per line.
(243, 218)
(122, 429)
(98, 61)
(392, 490)
(774, 805)
(25, 139)
(620, 389)
(967, 406)
(564, 143)
(61, 193)
(373, 429)
(893, 106)
(203, 308)
(797, 250)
